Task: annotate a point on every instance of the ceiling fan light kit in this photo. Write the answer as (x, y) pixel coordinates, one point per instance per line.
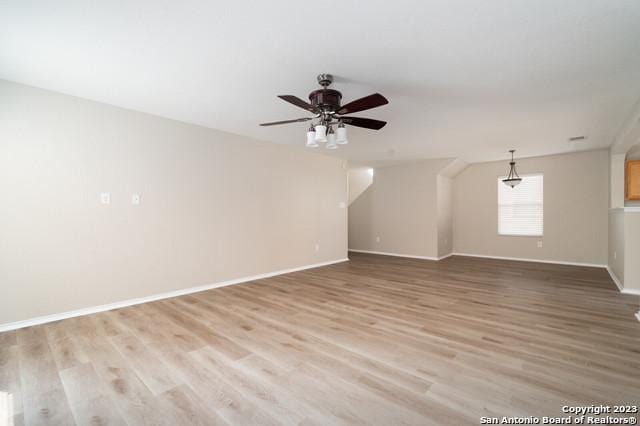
(311, 138)
(321, 133)
(331, 139)
(325, 104)
(512, 179)
(341, 134)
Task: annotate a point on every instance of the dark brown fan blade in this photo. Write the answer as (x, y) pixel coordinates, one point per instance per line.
(297, 120)
(368, 102)
(367, 123)
(299, 103)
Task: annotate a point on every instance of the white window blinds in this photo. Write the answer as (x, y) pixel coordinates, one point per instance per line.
(520, 209)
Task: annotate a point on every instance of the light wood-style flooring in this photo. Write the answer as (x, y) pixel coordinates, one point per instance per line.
(377, 340)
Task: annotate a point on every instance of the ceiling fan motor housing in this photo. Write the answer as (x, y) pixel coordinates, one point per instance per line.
(328, 100)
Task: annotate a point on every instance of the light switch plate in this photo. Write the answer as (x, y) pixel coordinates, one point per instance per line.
(105, 198)
(342, 204)
(135, 199)
(539, 244)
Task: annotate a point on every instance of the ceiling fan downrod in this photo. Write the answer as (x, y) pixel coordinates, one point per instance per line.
(325, 80)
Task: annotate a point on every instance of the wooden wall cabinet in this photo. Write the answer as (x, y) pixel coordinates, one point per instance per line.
(632, 180)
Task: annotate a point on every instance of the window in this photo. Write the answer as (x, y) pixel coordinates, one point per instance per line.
(520, 209)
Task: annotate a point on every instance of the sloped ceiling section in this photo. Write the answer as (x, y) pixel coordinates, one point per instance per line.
(629, 134)
(465, 79)
(360, 179)
(454, 167)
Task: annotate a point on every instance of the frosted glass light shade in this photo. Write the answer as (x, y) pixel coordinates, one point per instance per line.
(311, 139)
(321, 133)
(512, 182)
(341, 136)
(331, 141)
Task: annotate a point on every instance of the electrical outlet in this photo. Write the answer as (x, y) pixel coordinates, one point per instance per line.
(342, 204)
(317, 247)
(135, 199)
(377, 239)
(105, 198)
(539, 244)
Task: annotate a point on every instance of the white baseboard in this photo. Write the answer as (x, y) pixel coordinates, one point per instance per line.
(101, 308)
(615, 279)
(523, 259)
(638, 315)
(445, 256)
(409, 256)
(620, 285)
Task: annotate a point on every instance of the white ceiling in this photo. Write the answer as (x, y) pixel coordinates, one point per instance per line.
(468, 79)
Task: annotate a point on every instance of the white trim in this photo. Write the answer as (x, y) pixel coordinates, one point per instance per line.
(445, 256)
(638, 315)
(620, 285)
(410, 256)
(522, 259)
(628, 209)
(521, 235)
(101, 308)
(615, 279)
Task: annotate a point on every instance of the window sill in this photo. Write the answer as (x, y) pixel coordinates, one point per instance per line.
(521, 235)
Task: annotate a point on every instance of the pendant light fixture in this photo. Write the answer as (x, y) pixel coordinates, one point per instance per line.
(513, 179)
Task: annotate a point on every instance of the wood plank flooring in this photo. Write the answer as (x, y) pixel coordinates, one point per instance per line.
(377, 340)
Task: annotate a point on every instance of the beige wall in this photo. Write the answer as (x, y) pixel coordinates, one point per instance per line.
(576, 199)
(616, 243)
(616, 178)
(215, 206)
(445, 215)
(360, 178)
(400, 207)
(624, 229)
(632, 251)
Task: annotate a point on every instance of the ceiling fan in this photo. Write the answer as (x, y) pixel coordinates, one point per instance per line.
(325, 104)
